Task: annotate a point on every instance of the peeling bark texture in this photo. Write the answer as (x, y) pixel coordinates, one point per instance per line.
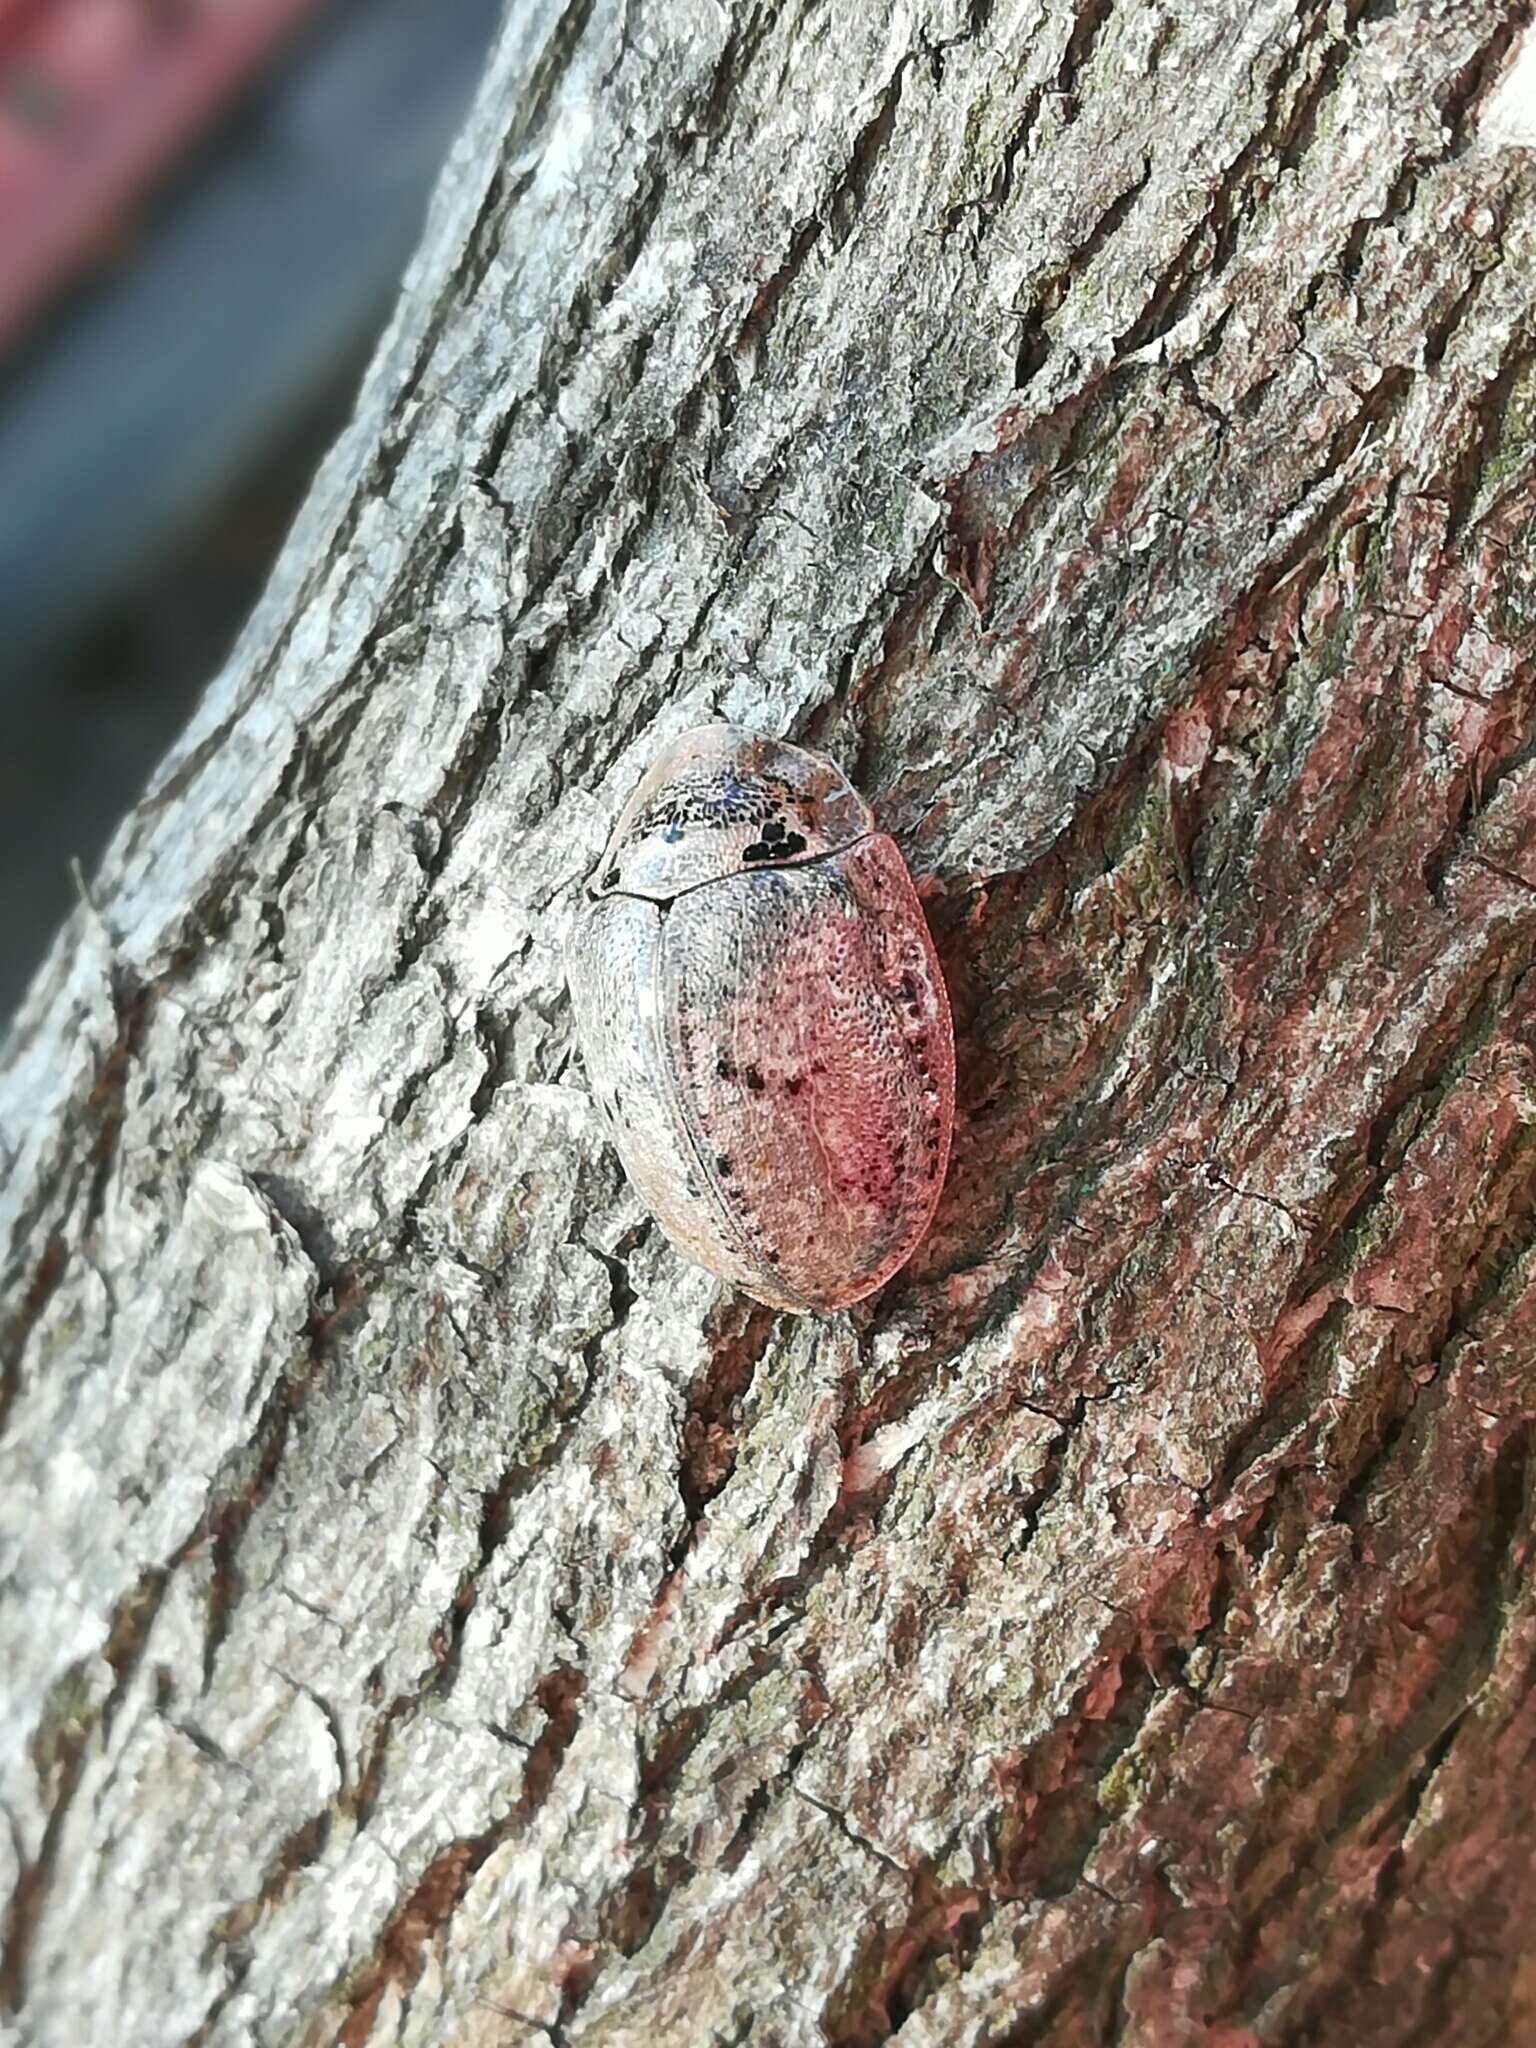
(438, 1617)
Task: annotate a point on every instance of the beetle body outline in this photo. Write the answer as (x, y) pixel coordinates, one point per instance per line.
(764, 1020)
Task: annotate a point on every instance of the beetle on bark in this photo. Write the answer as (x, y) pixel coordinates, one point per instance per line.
(765, 1022)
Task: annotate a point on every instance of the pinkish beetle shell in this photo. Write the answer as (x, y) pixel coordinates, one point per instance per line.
(764, 1020)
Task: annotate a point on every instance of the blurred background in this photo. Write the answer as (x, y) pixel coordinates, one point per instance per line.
(205, 206)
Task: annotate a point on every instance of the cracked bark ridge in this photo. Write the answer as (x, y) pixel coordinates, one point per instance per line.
(435, 1616)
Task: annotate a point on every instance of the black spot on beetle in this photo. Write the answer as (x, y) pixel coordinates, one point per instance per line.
(909, 991)
(755, 1081)
(774, 829)
(725, 1068)
(793, 1084)
(758, 850)
(793, 843)
(611, 879)
(772, 1258)
(723, 1166)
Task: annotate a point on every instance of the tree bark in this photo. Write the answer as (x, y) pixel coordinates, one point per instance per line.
(435, 1615)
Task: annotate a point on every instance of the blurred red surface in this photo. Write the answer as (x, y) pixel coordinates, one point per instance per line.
(97, 99)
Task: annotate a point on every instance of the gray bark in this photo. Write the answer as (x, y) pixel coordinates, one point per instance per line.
(434, 1615)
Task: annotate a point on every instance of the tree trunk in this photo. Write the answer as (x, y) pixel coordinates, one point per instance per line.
(438, 1616)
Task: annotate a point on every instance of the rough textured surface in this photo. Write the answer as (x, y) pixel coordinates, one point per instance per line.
(435, 1615)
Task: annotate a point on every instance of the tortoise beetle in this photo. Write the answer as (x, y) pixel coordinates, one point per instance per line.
(764, 1020)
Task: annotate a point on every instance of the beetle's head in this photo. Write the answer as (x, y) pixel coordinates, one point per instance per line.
(719, 801)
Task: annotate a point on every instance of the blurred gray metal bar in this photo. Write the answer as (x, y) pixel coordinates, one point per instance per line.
(257, 282)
